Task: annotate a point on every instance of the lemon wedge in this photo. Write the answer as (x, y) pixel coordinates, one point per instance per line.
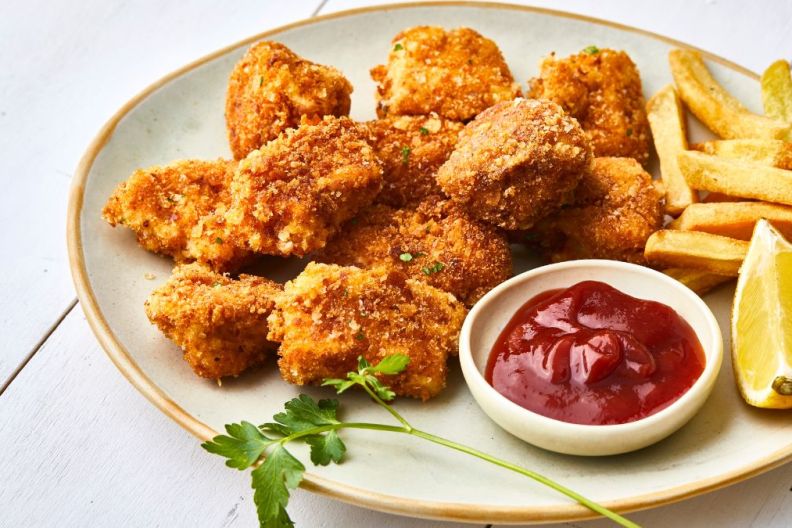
(762, 321)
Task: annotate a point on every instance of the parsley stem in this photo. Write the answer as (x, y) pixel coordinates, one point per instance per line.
(530, 474)
(388, 408)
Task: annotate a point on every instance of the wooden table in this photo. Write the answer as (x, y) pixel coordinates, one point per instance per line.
(80, 447)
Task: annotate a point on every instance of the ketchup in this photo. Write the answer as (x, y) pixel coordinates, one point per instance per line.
(593, 355)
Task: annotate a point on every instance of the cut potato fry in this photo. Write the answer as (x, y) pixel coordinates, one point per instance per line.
(695, 250)
(734, 219)
(777, 92)
(667, 121)
(699, 281)
(716, 197)
(714, 106)
(736, 178)
(770, 152)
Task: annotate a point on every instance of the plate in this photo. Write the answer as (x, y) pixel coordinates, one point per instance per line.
(181, 116)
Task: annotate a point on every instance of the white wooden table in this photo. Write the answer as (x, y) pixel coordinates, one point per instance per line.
(78, 445)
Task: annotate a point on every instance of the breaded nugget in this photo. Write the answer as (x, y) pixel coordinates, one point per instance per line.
(602, 90)
(517, 162)
(411, 149)
(435, 242)
(290, 196)
(164, 205)
(456, 73)
(329, 315)
(616, 209)
(219, 323)
(271, 89)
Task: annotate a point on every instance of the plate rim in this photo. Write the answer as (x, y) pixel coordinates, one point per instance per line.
(451, 511)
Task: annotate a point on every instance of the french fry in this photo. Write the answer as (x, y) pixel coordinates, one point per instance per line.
(734, 219)
(777, 92)
(716, 197)
(695, 250)
(714, 106)
(770, 152)
(736, 178)
(699, 281)
(667, 121)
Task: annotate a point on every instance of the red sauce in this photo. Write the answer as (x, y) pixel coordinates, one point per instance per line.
(591, 354)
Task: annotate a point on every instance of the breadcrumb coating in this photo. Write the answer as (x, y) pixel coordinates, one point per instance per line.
(329, 315)
(271, 89)
(294, 193)
(456, 73)
(435, 242)
(411, 149)
(170, 207)
(602, 90)
(219, 323)
(616, 208)
(517, 162)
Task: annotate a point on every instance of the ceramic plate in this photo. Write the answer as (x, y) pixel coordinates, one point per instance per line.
(181, 116)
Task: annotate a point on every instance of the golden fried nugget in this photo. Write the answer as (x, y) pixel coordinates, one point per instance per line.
(602, 90)
(329, 315)
(164, 205)
(435, 242)
(616, 209)
(411, 149)
(291, 196)
(219, 323)
(517, 162)
(271, 89)
(456, 73)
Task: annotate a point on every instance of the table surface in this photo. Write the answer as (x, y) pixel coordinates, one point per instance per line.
(80, 447)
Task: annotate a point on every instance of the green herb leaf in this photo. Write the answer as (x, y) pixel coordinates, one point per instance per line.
(341, 385)
(405, 257)
(629, 132)
(405, 155)
(326, 448)
(398, 47)
(392, 364)
(304, 413)
(424, 131)
(218, 240)
(272, 481)
(591, 50)
(434, 268)
(261, 80)
(362, 364)
(242, 447)
(379, 388)
(360, 336)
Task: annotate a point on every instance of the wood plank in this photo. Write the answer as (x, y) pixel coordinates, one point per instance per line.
(65, 67)
(81, 447)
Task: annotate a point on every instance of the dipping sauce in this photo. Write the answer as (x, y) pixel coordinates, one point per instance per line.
(593, 355)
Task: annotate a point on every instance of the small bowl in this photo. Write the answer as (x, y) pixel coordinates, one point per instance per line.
(490, 315)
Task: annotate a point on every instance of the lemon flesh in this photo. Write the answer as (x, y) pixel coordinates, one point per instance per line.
(762, 321)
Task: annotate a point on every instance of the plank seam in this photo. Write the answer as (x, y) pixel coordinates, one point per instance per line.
(38, 345)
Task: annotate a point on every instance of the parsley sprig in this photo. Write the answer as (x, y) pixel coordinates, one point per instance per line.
(317, 424)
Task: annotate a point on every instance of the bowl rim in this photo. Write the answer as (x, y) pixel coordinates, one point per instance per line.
(693, 396)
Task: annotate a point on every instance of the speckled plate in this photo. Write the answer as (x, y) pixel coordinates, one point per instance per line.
(181, 116)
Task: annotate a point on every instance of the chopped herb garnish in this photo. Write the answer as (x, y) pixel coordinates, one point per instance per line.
(406, 155)
(424, 131)
(398, 47)
(434, 268)
(360, 336)
(261, 81)
(406, 257)
(629, 132)
(218, 240)
(591, 50)
(345, 292)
